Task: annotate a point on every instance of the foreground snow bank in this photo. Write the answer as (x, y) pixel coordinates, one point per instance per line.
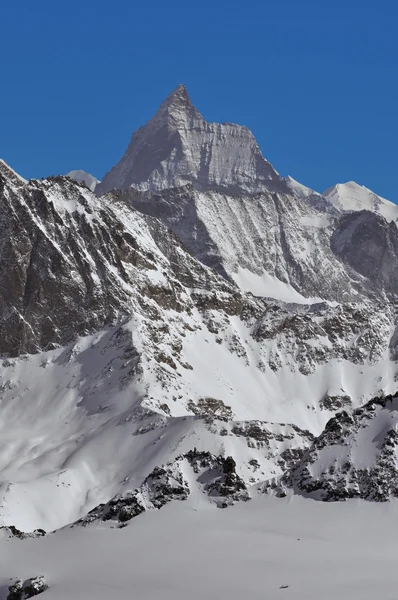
(319, 550)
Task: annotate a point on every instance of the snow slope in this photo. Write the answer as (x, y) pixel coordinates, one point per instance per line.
(351, 196)
(264, 548)
(80, 424)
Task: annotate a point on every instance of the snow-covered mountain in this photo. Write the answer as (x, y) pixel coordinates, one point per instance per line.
(206, 334)
(82, 177)
(272, 236)
(177, 146)
(122, 353)
(350, 196)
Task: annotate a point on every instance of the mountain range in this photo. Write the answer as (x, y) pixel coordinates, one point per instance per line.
(193, 327)
(270, 235)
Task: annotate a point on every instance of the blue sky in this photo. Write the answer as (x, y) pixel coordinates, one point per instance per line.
(316, 81)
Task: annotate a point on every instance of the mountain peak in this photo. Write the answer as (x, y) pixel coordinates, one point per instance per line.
(351, 196)
(178, 95)
(179, 147)
(178, 105)
(9, 173)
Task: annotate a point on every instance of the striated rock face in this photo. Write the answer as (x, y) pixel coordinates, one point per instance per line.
(60, 269)
(368, 244)
(276, 245)
(178, 146)
(356, 456)
(72, 263)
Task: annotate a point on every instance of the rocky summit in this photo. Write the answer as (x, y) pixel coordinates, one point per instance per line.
(192, 328)
(178, 146)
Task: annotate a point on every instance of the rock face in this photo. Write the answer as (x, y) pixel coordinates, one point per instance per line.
(71, 263)
(276, 244)
(368, 244)
(178, 146)
(355, 456)
(22, 590)
(213, 475)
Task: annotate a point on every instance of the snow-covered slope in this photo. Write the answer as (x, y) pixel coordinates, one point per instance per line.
(140, 354)
(82, 177)
(350, 196)
(177, 146)
(265, 548)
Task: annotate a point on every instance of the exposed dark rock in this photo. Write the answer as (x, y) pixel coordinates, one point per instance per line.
(368, 244)
(210, 408)
(22, 535)
(27, 589)
(216, 477)
(363, 463)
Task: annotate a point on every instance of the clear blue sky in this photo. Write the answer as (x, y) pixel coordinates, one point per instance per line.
(316, 81)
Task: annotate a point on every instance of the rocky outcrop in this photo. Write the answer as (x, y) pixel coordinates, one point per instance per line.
(214, 476)
(14, 532)
(354, 457)
(22, 590)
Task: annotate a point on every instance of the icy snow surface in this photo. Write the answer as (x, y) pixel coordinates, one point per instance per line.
(351, 196)
(268, 286)
(266, 548)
